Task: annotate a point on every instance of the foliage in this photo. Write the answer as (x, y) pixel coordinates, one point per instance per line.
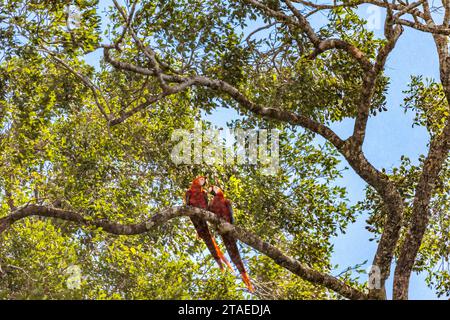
(57, 148)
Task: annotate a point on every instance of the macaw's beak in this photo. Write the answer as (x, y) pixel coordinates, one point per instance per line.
(202, 178)
(211, 190)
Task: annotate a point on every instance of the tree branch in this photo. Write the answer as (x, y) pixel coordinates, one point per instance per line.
(405, 9)
(438, 153)
(392, 34)
(87, 82)
(434, 29)
(224, 87)
(320, 45)
(393, 203)
(351, 149)
(165, 215)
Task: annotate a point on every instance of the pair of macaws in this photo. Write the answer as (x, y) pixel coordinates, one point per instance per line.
(196, 196)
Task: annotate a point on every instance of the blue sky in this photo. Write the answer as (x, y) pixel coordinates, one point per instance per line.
(389, 135)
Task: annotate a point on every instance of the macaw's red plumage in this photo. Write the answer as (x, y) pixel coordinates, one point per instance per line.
(197, 197)
(222, 207)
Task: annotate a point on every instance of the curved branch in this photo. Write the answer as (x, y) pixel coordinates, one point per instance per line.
(434, 29)
(165, 215)
(96, 92)
(402, 8)
(264, 27)
(320, 45)
(350, 149)
(224, 87)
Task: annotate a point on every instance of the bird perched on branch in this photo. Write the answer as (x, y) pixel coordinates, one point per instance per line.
(222, 207)
(196, 196)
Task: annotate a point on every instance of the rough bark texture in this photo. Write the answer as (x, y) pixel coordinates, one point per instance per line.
(420, 216)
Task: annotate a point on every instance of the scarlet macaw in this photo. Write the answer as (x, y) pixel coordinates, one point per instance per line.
(197, 197)
(222, 207)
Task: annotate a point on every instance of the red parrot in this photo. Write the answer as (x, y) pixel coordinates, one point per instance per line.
(197, 197)
(222, 207)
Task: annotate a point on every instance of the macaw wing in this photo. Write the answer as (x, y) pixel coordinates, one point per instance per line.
(203, 232)
(230, 211)
(187, 197)
(205, 194)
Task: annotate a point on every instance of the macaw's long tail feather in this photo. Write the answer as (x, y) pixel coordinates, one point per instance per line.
(247, 281)
(221, 255)
(203, 232)
(233, 251)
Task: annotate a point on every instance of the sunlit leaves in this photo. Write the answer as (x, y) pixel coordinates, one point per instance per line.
(58, 149)
(426, 98)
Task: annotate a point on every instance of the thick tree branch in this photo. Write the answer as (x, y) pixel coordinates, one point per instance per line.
(392, 199)
(165, 215)
(329, 44)
(437, 155)
(392, 34)
(432, 28)
(393, 203)
(446, 20)
(224, 87)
